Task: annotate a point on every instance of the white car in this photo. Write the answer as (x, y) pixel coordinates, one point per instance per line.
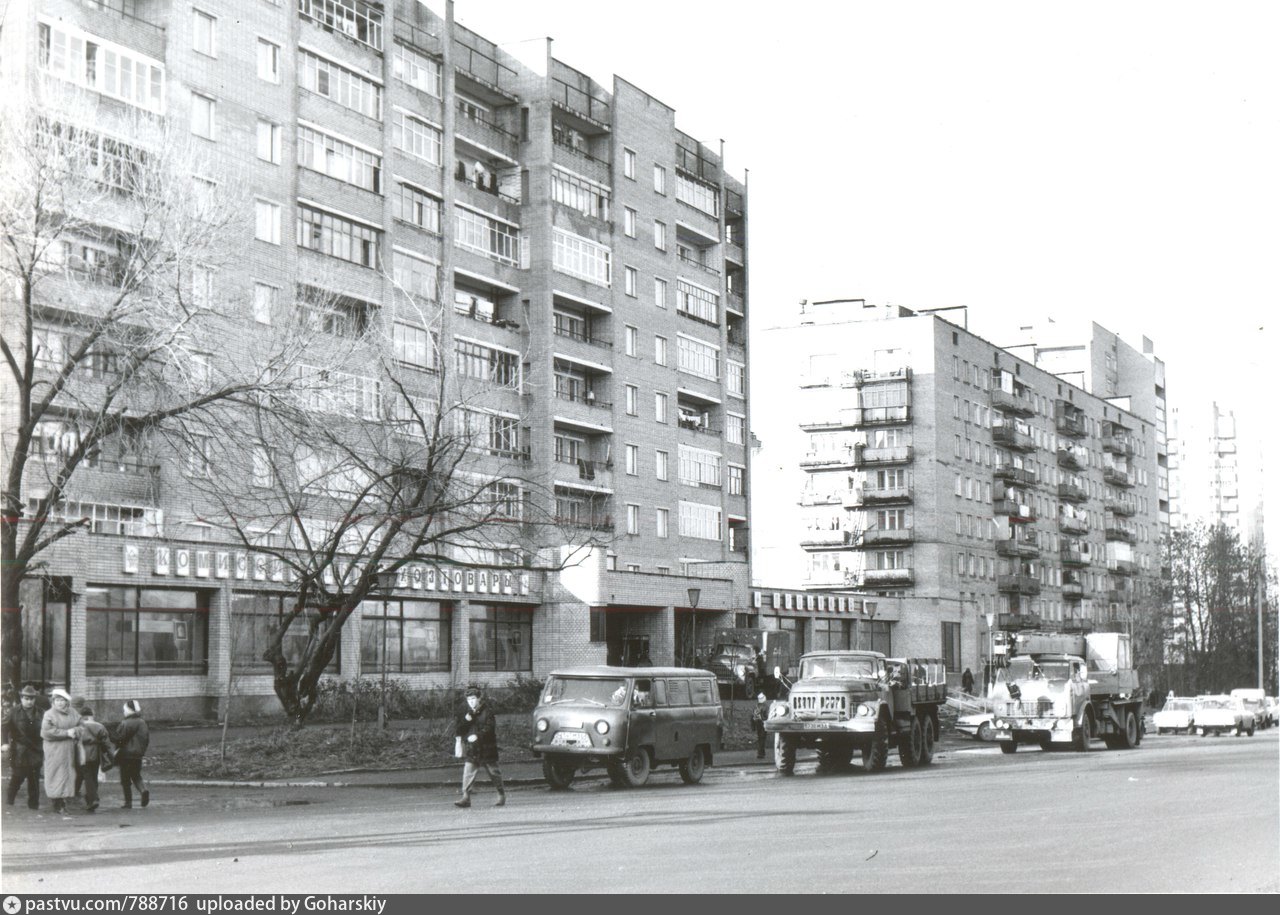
(1255, 700)
(1177, 715)
(1222, 714)
(977, 725)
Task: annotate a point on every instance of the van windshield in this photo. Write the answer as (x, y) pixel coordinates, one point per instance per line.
(607, 693)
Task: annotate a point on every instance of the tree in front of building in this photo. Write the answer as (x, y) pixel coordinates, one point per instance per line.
(113, 230)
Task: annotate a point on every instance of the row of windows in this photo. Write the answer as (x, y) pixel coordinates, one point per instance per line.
(697, 302)
(475, 360)
(418, 70)
(103, 67)
(417, 137)
(354, 18)
(493, 238)
(581, 257)
(338, 159)
(346, 87)
(581, 194)
(338, 237)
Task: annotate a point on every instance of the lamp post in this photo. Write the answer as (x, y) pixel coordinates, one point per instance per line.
(386, 584)
(694, 595)
(991, 653)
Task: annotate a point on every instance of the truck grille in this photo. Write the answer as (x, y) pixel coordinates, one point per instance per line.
(820, 706)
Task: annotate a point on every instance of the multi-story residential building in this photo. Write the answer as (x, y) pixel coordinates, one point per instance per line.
(955, 483)
(576, 251)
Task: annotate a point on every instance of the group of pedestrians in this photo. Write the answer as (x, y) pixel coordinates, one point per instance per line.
(69, 749)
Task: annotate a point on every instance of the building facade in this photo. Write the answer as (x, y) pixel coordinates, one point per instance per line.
(972, 489)
(566, 237)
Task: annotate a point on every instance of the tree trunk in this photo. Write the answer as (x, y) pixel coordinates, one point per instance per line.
(10, 623)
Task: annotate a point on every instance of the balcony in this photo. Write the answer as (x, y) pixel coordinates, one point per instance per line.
(1012, 622)
(1117, 530)
(1073, 458)
(871, 495)
(1125, 507)
(1122, 567)
(1118, 444)
(883, 578)
(1073, 525)
(1012, 437)
(476, 62)
(1018, 476)
(865, 456)
(1018, 512)
(735, 302)
(484, 133)
(1018, 584)
(600, 522)
(597, 474)
(1072, 591)
(580, 160)
(1018, 403)
(1117, 477)
(1070, 492)
(847, 421)
(588, 339)
(858, 378)
(734, 252)
(1119, 596)
(579, 106)
(882, 416)
(875, 536)
(827, 540)
(1018, 548)
(1071, 425)
(1073, 556)
(693, 261)
(133, 25)
(829, 460)
(819, 498)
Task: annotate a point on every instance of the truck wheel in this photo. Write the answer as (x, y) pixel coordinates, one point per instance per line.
(692, 768)
(911, 744)
(1249, 732)
(784, 754)
(749, 686)
(1082, 735)
(634, 769)
(558, 772)
(1007, 747)
(1129, 739)
(876, 754)
(926, 751)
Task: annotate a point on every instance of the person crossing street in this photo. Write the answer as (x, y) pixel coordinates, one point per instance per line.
(478, 730)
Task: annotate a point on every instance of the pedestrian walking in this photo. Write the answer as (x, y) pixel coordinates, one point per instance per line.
(758, 717)
(60, 731)
(132, 739)
(26, 749)
(94, 753)
(478, 730)
(966, 681)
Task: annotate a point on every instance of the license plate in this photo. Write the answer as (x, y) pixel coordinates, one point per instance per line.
(570, 739)
(816, 726)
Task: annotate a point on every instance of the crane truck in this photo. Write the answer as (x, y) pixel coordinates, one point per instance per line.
(1060, 689)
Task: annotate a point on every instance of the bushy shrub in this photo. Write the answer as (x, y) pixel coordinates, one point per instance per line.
(335, 698)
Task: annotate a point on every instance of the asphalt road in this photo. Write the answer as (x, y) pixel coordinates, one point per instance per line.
(1179, 814)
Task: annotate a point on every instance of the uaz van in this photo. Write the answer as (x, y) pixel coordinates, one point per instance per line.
(627, 720)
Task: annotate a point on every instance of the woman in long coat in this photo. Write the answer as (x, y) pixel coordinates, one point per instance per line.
(61, 732)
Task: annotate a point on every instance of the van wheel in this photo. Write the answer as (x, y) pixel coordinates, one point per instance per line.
(784, 754)
(635, 768)
(692, 768)
(911, 744)
(926, 751)
(558, 773)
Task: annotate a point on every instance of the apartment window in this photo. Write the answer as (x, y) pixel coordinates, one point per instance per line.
(198, 457)
(629, 163)
(265, 301)
(203, 115)
(951, 646)
(414, 346)
(659, 179)
(175, 639)
(660, 350)
(417, 208)
(415, 277)
(338, 236)
(633, 519)
(629, 280)
(269, 142)
(404, 636)
(660, 406)
(699, 467)
(417, 138)
(109, 69)
(660, 292)
(501, 639)
(495, 239)
(633, 460)
(475, 360)
(737, 480)
(203, 37)
(339, 159)
(660, 235)
(357, 19)
(346, 87)
(418, 70)
(697, 302)
(632, 394)
(699, 521)
(736, 379)
(735, 429)
(267, 221)
(629, 222)
(268, 60)
(662, 521)
(697, 357)
(630, 336)
(660, 465)
(581, 257)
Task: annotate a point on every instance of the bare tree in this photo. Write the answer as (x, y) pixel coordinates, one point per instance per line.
(113, 227)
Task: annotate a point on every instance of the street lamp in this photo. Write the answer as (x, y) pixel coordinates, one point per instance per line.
(991, 654)
(386, 583)
(694, 595)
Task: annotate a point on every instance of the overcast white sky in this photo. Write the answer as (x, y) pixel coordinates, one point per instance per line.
(1111, 159)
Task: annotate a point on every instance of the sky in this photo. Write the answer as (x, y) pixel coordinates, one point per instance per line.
(1116, 160)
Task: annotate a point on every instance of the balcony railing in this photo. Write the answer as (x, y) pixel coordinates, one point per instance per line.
(1118, 444)
(882, 578)
(1018, 548)
(1118, 531)
(1122, 567)
(1010, 437)
(871, 495)
(735, 301)
(1071, 556)
(589, 399)
(896, 454)
(1117, 477)
(693, 261)
(1072, 591)
(1016, 621)
(580, 102)
(1072, 426)
(827, 539)
(877, 536)
(1020, 476)
(1019, 584)
(590, 522)
(842, 458)
(583, 338)
(1019, 404)
(1121, 507)
(1073, 525)
(1018, 512)
(1072, 459)
(883, 416)
(1069, 492)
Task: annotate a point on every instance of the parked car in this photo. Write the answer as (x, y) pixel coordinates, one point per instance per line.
(1222, 714)
(977, 725)
(1177, 715)
(1255, 701)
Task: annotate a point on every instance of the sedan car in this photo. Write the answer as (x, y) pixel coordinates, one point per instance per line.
(1222, 714)
(977, 725)
(1177, 715)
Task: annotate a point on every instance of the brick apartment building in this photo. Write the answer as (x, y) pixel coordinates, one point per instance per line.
(567, 233)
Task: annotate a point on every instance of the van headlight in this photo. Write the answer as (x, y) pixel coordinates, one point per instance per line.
(602, 727)
(542, 724)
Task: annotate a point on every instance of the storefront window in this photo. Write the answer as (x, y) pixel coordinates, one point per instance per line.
(136, 631)
(501, 639)
(832, 634)
(254, 621)
(795, 626)
(417, 636)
